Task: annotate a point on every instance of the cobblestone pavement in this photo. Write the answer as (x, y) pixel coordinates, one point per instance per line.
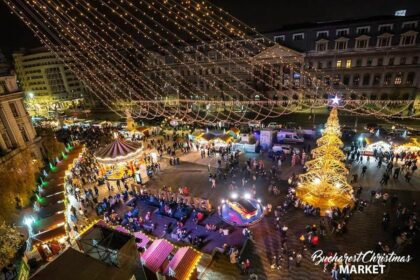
(364, 228)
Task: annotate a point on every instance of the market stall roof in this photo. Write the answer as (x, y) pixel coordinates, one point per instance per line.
(207, 136)
(183, 264)
(142, 129)
(47, 236)
(142, 238)
(156, 254)
(72, 264)
(48, 223)
(118, 151)
(235, 130)
(225, 138)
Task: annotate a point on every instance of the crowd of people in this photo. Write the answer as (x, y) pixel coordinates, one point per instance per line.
(246, 177)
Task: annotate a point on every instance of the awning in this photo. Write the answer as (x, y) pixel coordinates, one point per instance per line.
(118, 151)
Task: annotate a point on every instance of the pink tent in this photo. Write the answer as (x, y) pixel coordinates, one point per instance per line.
(143, 237)
(183, 264)
(122, 229)
(156, 255)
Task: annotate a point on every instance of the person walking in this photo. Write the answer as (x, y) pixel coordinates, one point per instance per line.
(364, 168)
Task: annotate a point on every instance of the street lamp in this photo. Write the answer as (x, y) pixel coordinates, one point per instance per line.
(28, 221)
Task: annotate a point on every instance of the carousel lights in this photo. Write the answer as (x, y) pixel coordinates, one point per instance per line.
(234, 195)
(247, 195)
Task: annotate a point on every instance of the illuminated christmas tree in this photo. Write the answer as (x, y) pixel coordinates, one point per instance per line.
(324, 185)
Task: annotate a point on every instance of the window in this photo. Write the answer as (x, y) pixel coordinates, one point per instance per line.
(336, 79)
(384, 41)
(376, 79)
(341, 45)
(279, 39)
(322, 34)
(409, 25)
(298, 36)
(7, 140)
(410, 78)
(329, 64)
(319, 65)
(342, 32)
(391, 61)
(359, 62)
(348, 63)
(403, 60)
(23, 132)
(321, 46)
(415, 60)
(398, 79)
(362, 43)
(369, 61)
(408, 39)
(14, 109)
(380, 61)
(385, 28)
(366, 79)
(338, 65)
(356, 79)
(387, 79)
(362, 30)
(346, 80)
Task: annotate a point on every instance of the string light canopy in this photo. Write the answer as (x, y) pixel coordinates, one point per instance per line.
(120, 50)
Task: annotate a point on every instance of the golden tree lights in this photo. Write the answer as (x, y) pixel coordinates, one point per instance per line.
(324, 185)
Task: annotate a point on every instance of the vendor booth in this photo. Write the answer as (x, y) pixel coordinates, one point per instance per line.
(222, 141)
(378, 146)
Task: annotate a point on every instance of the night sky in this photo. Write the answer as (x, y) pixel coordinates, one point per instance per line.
(263, 14)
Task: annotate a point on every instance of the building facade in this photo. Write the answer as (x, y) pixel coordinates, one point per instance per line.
(377, 58)
(48, 84)
(372, 58)
(16, 130)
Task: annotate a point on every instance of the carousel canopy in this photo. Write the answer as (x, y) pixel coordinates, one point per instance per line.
(118, 151)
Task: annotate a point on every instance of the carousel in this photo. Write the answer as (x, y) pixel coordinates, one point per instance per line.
(119, 159)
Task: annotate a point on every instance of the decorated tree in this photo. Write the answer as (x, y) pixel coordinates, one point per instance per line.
(10, 242)
(324, 185)
(18, 180)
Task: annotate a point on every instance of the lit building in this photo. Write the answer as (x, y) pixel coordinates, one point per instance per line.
(378, 57)
(375, 58)
(16, 130)
(48, 84)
